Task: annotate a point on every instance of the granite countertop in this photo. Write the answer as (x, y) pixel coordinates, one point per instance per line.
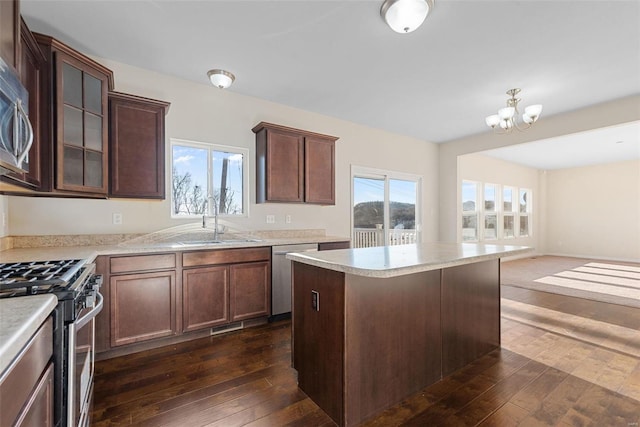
(20, 318)
(391, 261)
(141, 247)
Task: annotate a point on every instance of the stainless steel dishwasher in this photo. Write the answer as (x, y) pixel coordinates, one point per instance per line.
(281, 276)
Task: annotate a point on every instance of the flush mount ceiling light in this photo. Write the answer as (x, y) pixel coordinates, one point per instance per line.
(507, 118)
(221, 78)
(404, 16)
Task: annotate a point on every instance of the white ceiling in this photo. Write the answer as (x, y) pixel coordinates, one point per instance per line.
(339, 58)
(605, 145)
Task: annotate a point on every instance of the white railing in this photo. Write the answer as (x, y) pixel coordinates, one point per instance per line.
(368, 237)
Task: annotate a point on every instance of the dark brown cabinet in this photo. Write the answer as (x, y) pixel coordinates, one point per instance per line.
(136, 146)
(250, 290)
(470, 313)
(205, 297)
(27, 387)
(327, 246)
(142, 298)
(142, 307)
(225, 285)
(294, 166)
(10, 32)
(74, 119)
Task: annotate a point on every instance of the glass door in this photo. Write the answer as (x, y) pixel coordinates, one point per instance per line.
(368, 212)
(385, 208)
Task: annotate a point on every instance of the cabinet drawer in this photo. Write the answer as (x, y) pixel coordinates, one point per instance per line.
(142, 262)
(327, 246)
(225, 256)
(19, 381)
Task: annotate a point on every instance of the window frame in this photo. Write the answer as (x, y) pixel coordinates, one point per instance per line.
(211, 147)
(499, 211)
(512, 213)
(479, 218)
(526, 213)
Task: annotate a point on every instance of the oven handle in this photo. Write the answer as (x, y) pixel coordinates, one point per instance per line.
(90, 315)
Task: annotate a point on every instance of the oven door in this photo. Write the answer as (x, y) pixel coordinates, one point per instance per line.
(81, 361)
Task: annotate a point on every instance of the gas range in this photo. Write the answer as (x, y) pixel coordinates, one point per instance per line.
(39, 277)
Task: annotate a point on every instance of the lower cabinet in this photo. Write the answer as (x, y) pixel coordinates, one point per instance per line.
(237, 286)
(142, 307)
(27, 387)
(152, 299)
(250, 290)
(205, 297)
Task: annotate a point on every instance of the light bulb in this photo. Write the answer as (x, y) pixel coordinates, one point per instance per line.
(506, 113)
(492, 121)
(506, 124)
(533, 111)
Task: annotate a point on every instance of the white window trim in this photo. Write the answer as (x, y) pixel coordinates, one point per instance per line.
(476, 212)
(211, 146)
(366, 172)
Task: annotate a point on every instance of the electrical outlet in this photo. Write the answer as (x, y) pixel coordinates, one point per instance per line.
(287, 219)
(271, 219)
(117, 219)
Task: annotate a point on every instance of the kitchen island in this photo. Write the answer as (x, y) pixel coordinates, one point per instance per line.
(372, 326)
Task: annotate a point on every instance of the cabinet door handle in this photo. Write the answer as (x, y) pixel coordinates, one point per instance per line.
(21, 150)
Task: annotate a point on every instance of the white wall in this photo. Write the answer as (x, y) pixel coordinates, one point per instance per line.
(488, 170)
(200, 112)
(594, 211)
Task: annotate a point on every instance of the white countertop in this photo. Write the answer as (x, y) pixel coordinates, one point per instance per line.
(20, 318)
(390, 261)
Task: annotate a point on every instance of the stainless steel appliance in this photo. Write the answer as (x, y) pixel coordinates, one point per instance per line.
(16, 133)
(281, 277)
(76, 286)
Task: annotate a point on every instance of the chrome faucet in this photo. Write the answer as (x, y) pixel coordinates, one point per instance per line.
(210, 203)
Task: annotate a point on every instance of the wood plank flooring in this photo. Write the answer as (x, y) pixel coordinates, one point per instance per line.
(564, 361)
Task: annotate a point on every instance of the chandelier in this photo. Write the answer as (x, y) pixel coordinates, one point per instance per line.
(507, 118)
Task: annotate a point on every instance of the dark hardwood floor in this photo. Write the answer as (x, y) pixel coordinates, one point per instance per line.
(542, 375)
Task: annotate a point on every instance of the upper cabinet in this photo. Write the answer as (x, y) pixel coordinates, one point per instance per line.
(74, 118)
(10, 32)
(136, 146)
(294, 166)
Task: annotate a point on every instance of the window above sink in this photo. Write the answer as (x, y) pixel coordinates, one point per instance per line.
(203, 171)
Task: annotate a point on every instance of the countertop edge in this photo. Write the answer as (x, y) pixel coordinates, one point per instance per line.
(16, 329)
(383, 272)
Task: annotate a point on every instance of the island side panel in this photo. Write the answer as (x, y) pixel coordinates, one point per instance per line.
(393, 340)
(318, 336)
(470, 313)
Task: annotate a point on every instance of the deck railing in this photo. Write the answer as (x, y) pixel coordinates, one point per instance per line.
(368, 237)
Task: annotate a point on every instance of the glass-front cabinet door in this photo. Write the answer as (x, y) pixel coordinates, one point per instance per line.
(82, 104)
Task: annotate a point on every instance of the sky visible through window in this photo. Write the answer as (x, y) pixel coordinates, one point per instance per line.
(372, 190)
(193, 160)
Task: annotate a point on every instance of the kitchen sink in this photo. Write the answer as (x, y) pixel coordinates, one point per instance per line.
(217, 242)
